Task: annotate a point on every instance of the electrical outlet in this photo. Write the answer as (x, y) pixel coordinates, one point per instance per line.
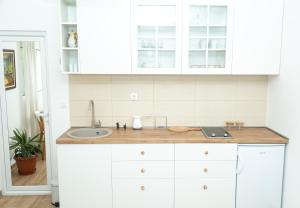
(133, 96)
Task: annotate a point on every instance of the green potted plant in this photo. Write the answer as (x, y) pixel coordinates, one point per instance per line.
(26, 150)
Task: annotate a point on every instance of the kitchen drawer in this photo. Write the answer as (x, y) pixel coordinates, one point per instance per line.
(205, 169)
(143, 169)
(142, 152)
(205, 152)
(158, 193)
(204, 193)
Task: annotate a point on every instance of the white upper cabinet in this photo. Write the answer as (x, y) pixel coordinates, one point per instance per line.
(104, 36)
(207, 36)
(172, 36)
(156, 31)
(257, 36)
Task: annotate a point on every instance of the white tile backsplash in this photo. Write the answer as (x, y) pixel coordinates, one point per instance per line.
(186, 100)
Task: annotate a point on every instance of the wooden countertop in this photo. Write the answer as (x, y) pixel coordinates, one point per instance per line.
(259, 135)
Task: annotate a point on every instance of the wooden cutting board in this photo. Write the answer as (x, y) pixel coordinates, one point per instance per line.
(183, 129)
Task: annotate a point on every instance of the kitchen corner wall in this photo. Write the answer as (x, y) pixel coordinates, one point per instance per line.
(185, 100)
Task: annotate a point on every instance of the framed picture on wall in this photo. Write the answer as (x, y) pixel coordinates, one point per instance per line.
(9, 69)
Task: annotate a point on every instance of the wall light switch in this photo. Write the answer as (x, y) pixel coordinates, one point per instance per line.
(133, 96)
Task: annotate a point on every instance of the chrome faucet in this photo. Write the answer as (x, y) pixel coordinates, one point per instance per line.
(92, 108)
(93, 120)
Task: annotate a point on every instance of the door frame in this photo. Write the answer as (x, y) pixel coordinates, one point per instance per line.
(5, 179)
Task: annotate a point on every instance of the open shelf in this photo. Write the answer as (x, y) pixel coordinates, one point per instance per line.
(69, 55)
(68, 11)
(70, 61)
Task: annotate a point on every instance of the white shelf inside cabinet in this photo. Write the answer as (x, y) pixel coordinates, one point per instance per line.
(161, 49)
(223, 50)
(204, 50)
(69, 23)
(67, 73)
(69, 49)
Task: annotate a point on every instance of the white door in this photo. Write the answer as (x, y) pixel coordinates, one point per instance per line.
(104, 41)
(85, 176)
(207, 36)
(260, 174)
(156, 29)
(257, 36)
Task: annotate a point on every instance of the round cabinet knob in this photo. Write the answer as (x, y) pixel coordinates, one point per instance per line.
(142, 152)
(205, 187)
(206, 152)
(143, 170)
(205, 170)
(142, 188)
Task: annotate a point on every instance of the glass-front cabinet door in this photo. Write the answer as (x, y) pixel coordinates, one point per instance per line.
(207, 37)
(157, 37)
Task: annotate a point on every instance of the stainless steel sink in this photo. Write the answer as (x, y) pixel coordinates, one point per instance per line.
(89, 133)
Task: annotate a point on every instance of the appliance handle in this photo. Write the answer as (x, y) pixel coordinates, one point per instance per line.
(241, 165)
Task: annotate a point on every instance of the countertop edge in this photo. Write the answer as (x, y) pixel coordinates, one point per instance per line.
(281, 140)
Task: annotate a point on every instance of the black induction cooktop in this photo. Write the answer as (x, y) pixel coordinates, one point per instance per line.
(216, 132)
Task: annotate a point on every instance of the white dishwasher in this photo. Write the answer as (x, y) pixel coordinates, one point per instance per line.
(259, 176)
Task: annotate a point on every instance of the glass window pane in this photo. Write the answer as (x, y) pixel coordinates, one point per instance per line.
(217, 31)
(146, 43)
(167, 43)
(146, 31)
(198, 44)
(218, 15)
(216, 59)
(197, 59)
(166, 59)
(198, 31)
(215, 43)
(198, 15)
(146, 59)
(166, 31)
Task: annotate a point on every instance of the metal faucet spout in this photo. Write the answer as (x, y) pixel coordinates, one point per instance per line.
(92, 108)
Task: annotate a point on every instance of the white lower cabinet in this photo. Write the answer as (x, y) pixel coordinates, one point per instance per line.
(143, 176)
(84, 173)
(145, 193)
(205, 175)
(170, 176)
(206, 193)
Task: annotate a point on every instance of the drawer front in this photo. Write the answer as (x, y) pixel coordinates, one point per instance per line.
(204, 193)
(206, 152)
(205, 169)
(142, 152)
(143, 169)
(143, 193)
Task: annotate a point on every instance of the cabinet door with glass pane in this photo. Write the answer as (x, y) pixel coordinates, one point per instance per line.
(207, 36)
(157, 37)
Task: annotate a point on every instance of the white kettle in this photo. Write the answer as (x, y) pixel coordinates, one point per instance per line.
(137, 122)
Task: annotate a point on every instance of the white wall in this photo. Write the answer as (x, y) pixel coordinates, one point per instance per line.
(284, 102)
(43, 15)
